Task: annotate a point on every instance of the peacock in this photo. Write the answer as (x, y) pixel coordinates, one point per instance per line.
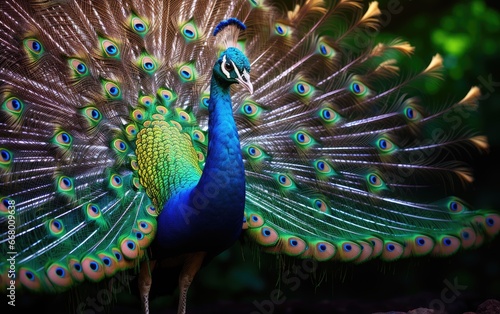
(144, 134)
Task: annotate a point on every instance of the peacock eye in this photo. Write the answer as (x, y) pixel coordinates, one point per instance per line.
(228, 66)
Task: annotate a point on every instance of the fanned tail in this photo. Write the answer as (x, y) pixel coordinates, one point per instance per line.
(79, 81)
(341, 152)
(342, 155)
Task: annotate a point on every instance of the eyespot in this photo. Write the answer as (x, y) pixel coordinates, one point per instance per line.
(347, 247)
(55, 227)
(184, 116)
(110, 263)
(320, 205)
(467, 237)
(325, 50)
(117, 254)
(167, 96)
(323, 251)
(138, 115)
(455, 206)
(120, 145)
(201, 156)
(131, 130)
(92, 211)
(29, 278)
(33, 46)
(411, 113)
(302, 139)
(254, 152)
(358, 88)
(79, 67)
(204, 101)
(110, 48)
(5, 157)
(199, 136)
(446, 246)
(392, 251)
(151, 210)
(348, 251)
(146, 100)
(255, 3)
(421, 245)
(492, 224)
(161, 110)
(5, 205)
(281, 29)
(293, 246)
(384, 145)
(148, 64)
(186, 73)
(329, 116)
(59, 275)
(63, 139)
(251, 109)
(255, 221)
(189, 31)
(65, 183)
(93, 115)
(285, 181)
(130, 247)
(116, 181)
(142, 240)
(303, 89)
(323, 168)
(145, 226)
(76, 269)
(139, 26)
(264, 235)
(134, 165)
(136, 183)
(112, 90)
(13, 105)
(375, 182)
(93, 268)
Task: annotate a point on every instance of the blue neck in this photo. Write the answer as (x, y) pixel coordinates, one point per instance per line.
(209, 216)
(224, 168)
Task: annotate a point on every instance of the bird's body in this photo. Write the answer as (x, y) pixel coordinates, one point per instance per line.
(126, 139)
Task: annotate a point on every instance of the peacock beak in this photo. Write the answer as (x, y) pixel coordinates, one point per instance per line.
(244, 79)
(247, 84)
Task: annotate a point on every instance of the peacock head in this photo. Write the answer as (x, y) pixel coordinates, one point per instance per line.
(233, 67)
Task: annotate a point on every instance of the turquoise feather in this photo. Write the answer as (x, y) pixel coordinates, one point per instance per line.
(128, 142)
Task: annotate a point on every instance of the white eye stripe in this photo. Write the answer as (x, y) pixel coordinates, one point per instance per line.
(246, 76)
(223, 67)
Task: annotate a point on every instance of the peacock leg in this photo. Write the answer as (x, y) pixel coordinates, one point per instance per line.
(145, 280)
(191, 266)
